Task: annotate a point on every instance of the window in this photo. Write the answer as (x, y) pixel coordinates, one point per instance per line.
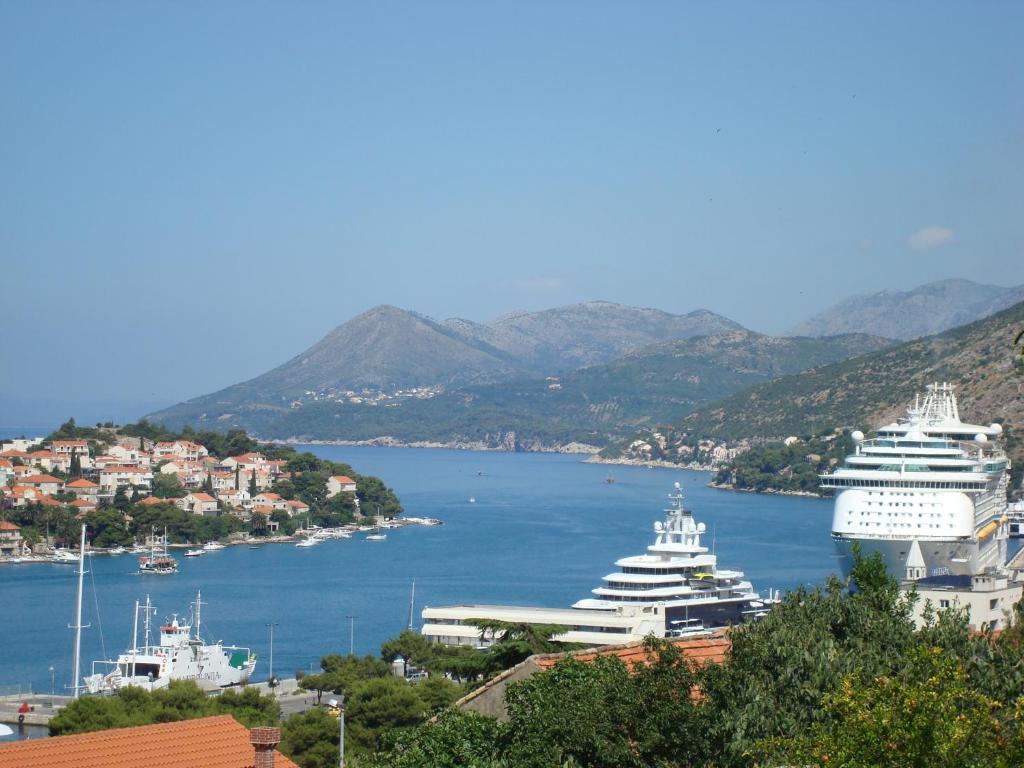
(943, 603)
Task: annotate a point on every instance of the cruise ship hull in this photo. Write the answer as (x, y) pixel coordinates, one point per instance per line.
(959, 558)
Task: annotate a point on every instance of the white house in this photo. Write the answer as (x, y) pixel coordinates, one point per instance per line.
(198, 503)
(340, 484)
(114, 475)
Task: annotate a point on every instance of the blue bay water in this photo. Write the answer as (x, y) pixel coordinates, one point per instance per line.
(543, 531)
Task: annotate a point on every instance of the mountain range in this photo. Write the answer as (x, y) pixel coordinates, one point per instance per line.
(596, 373)
(980, 358)
(922, 311)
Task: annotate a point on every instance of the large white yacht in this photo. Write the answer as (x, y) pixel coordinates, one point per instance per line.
(680, 575)
(928, 493)
(674, 590)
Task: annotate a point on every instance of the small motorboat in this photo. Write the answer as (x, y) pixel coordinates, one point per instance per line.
(195, 553)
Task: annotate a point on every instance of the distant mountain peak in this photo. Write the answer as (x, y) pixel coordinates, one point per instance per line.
(922, 311)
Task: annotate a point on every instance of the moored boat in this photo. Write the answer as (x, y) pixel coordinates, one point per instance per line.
(180, 654)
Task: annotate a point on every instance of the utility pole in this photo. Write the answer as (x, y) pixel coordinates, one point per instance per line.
(270, 680)
(351, 634)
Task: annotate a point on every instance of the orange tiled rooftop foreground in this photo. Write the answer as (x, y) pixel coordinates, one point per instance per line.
(209, 742)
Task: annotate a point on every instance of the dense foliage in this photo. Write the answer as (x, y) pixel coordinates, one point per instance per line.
(181, 700)
(832, 676)
(780, 467)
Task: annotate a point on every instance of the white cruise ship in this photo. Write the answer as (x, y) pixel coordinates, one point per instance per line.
(675, 589)
(928, 493)
(178, 656)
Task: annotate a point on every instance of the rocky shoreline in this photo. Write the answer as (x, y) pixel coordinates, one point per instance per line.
(768, 492)
(472, 445)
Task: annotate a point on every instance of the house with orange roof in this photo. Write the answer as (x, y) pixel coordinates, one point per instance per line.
(11, 543)
(183, 449)
(83, 489)
(48, 484)
(67, 448)
(152, 501)
(48, 461)
(198, 503)
(206, 742)
(340, 484)
(83, 507)
(296, 507)
(272, 500)
(235, 498)
(128, 455)
(489, 699)
(23, 495)
(6, 471)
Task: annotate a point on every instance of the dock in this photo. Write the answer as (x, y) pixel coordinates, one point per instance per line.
(30, 708)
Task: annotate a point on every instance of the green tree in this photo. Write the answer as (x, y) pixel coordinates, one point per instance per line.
(167, 486)
(311, 739)
(925, 714)
(380, 705)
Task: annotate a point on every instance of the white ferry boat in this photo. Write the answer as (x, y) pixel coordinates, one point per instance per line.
(675, 589)
(928, 493)
(179, 655)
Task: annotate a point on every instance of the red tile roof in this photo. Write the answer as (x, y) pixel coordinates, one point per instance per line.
(209, 742)
(39, 479)
(81, 483)
(151, 500)
(202, 497)
(713, 648)
(344, 479)
(8, 526)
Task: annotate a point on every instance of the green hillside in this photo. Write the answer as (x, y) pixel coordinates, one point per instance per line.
(593, 405)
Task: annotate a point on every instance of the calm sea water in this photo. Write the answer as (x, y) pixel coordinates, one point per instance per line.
(543, 531)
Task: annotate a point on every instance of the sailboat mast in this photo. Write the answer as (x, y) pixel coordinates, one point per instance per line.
(78, 615)
(199, 603)
(135, 636)
(412, 602)
(149, 610)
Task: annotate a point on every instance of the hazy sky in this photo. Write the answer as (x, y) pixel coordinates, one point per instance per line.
(192, 193)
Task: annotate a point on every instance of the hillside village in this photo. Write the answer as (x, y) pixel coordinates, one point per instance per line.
(124, 485)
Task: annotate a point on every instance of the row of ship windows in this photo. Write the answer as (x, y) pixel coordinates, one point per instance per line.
(677, 571)
(697, 584)
(642, 599)
(904, 514)
(851, 482)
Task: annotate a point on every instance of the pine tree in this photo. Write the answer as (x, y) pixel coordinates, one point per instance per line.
(76, 464)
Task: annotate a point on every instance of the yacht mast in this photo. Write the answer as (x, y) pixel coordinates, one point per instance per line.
(135, 636)
(412, 603)
(78, 615)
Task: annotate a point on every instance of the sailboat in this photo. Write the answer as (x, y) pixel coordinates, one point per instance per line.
(154, 562)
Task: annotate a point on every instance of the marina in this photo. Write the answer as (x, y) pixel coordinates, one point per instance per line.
(543, 529)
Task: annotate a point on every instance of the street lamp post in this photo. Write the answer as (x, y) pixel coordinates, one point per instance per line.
(52, 685)
(351, 634)
(270, 680)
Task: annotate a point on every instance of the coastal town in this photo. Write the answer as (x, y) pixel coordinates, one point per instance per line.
(128, 487)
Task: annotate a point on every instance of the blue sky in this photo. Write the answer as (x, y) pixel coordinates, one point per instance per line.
(194, 192)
